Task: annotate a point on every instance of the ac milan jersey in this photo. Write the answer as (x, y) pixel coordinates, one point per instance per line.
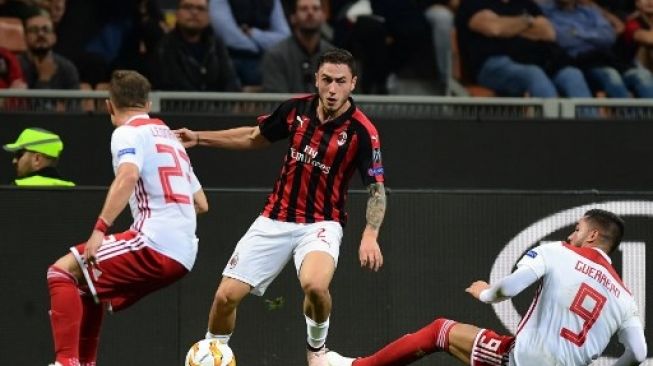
(320, 160)
(580, 304)
(162, 202)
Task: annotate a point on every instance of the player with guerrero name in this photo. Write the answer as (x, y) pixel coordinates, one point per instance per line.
(154, 175)
(580, 303)
(328, 139)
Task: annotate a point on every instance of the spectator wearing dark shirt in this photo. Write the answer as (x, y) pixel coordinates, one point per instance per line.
(289, 66)
(508, 46)
(42, 68)
(248, 28)
(191, 57)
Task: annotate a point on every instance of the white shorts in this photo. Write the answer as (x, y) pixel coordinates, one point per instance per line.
(268, 245)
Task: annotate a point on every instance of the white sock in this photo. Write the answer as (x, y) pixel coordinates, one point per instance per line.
(316, 333)
(223, 338)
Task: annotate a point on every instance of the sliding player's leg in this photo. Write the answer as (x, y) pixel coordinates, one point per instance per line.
(462, 341)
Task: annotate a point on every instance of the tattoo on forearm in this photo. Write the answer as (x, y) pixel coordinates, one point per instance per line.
(375, 205)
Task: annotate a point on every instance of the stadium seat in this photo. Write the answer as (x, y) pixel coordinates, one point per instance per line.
(12, 34)
(458, 72)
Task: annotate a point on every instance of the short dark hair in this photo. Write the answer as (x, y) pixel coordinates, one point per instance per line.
(338, 56)
(293, 6)
(129, 89)
(611, 226)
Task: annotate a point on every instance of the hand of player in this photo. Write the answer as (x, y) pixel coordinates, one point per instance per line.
(92, 245)
(369, 253)
(187, 137)
(476, 288)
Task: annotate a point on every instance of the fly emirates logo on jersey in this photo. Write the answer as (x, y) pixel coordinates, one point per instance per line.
(633, 256)
(309, 156)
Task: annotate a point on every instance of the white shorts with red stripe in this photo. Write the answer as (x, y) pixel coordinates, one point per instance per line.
(127, 269)
(491, 349)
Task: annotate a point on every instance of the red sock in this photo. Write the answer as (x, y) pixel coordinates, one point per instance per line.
(65, 315)
(89, 336)
(411, 347)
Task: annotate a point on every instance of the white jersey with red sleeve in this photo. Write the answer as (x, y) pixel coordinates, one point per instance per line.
(162, 202)
(579, 305)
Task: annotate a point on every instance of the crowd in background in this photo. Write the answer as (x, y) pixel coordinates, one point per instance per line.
(538, 48)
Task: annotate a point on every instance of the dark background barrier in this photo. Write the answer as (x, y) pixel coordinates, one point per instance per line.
(435, 243)
(489, 154)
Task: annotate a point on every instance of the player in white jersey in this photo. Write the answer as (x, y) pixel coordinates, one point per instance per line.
(154, 175)
(580, 303)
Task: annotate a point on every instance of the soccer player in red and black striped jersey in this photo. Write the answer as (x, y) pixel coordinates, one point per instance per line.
(329, 138)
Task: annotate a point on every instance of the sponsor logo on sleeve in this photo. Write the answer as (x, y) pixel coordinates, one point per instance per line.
(129, 150)
(531, 253)
(375, 171)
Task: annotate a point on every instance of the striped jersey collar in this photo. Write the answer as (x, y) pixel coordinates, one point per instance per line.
(135, 117)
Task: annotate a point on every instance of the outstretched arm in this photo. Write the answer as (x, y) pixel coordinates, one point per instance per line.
(369, 252)
(506, 288)
(240, 138)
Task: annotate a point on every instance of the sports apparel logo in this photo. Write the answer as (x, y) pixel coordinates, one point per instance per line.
(633, 254)
(376, 156)
(301, 120)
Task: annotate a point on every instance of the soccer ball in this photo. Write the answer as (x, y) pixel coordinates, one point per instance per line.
(210, 352)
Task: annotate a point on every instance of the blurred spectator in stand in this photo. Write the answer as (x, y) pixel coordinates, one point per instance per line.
(22, 9)
(289, 67)
(191, 57)
(249, 28)
(129, 34)
(365, 34)
(36, 154)
(509, 47)
(11, 75)
(42, 68)
(56, 9)
(588, 38)
(440, 14)
(636, 42)
(140, 39)
(392, 42)
(80, 21)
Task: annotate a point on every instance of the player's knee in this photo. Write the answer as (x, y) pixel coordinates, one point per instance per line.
(56, 275)
(441, 327)
(226, 298)
(68, 264)
(315, 291)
